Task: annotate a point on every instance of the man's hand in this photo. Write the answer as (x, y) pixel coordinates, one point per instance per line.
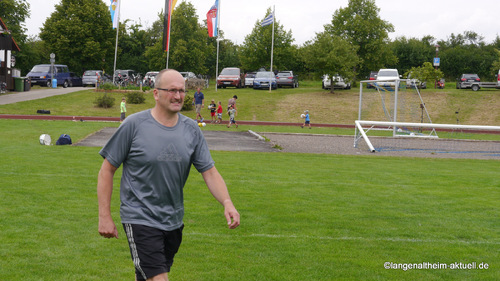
(232, 215)
(107, 228)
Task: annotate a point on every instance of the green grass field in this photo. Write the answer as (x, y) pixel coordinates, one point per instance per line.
(304, 216)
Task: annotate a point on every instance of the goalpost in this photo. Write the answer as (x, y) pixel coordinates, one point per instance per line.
(393, 117)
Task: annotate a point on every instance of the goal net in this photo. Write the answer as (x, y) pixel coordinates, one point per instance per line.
(393, 118)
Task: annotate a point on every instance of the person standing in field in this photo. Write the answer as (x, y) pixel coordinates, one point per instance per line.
(199, 102)
(213, 107)
(123, 109)
(219, 113)
(232, 102)
(157, 148)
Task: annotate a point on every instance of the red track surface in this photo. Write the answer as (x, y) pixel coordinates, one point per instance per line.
(116, 119)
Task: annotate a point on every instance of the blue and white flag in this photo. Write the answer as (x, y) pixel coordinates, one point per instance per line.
(114, 10)
(268, 20)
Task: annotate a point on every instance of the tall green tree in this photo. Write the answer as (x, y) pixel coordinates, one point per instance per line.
(188, 43)
(332, 55)
(80, 34)
(256, 49)
(132, 41)
(412, 52)
(360, 24)
(467, 53)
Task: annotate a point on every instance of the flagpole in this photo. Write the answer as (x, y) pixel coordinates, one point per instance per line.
(116, 43)
(272, 48)
(217, 39)
(168, 36)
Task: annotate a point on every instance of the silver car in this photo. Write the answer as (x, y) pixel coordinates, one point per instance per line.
(91, 77)
(249, 77)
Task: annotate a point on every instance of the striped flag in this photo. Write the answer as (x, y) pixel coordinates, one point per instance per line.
(268, 20)
(212, 17)
(169, 8)
(114, 10)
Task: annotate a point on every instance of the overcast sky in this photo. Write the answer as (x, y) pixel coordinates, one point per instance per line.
(438, 18)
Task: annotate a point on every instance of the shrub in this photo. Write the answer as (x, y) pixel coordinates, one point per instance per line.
(135, 98)
(104, 101)
(107, 86)
(188, 103)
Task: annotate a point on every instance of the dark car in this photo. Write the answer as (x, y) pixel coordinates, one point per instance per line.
(465, 81)
(42, 74)
(263, 79)
(286, 78)
(74, 80)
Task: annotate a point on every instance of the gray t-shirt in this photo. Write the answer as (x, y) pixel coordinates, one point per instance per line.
(156, 162)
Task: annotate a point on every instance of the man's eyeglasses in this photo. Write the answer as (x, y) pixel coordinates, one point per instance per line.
(173, 91)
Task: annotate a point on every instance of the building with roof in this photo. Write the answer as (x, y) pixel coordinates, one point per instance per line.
(7, 59)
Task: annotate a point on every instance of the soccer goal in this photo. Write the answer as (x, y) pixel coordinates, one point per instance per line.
(393, 117)
(395, 100)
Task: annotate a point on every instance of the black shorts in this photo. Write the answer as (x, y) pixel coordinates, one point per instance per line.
(152, 249)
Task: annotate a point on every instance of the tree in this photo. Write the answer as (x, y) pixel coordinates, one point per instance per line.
(79, 32)
(359, 23)
(467, 53)
(256, 49)
(412, 52)
(132, 41)
(14, 14)
(188, 43)
(425, 73)
(330, 54)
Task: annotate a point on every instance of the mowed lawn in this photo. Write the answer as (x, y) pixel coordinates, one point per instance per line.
(303, 216)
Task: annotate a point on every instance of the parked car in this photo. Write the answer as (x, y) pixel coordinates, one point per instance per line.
(74, 80)
(263, 79)
(415, 83)
(385, 77)
(465, 81)
(149, 78)
(231, 77)
(249, 79)
(188, 75)
(286, 78)
(126, 77)
(41, 75)
(91, 77)
(373, 76)
(338, 82)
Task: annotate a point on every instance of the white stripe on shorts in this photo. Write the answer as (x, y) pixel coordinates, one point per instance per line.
(133, 249)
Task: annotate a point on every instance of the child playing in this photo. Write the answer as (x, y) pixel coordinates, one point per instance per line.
(307, 121)
(232, 113)
(212, 106)
(219, 113)
(123, 109)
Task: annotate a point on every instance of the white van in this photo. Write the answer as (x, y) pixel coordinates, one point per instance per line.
(386, 75)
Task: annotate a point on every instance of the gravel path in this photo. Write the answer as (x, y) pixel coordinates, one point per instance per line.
(428, 148)
(331, 144)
